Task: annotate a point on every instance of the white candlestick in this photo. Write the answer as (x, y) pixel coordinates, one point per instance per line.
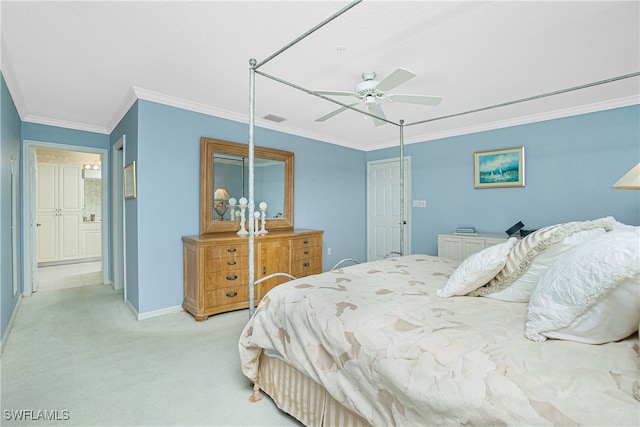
(232, 206)
(263, 210)
(243, 206)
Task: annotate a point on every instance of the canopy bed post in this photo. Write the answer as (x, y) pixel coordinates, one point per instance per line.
(252, 89)
(402, 221)
(252, 104)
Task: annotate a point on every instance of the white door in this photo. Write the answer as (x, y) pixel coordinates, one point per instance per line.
(70, 211)
(47, 208)
(59, 209)
(31, 218)
(117, 215)
(383, 208)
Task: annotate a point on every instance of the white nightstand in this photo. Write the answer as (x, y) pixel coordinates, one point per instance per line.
(458, 247)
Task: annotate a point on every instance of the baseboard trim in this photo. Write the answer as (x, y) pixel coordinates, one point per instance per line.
(10, 325)
(154, 313)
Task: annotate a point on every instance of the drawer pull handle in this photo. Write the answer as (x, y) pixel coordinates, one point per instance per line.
(306, 264)
(306, 252)
(306, 242)
(232, 294)
(231, 250)
(231, 263)
(234, 277)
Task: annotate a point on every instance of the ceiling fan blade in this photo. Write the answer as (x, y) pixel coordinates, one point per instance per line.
(415, 99)
(376, 110)
(334, 92)
(334, 113)
(394, 79)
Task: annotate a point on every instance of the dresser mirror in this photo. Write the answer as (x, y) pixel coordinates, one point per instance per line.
(224, 177)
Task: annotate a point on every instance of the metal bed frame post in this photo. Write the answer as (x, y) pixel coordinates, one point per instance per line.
(402, 221)
(252, 92)
(252, 106)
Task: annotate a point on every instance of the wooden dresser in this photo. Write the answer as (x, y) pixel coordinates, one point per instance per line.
(216, 267)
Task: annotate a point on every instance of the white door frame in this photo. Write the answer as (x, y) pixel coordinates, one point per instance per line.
(29, 229)
(117, 216)
(407, 201)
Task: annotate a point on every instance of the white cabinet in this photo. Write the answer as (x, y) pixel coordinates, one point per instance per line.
(458, 247)
(91, 239)
(59, 206)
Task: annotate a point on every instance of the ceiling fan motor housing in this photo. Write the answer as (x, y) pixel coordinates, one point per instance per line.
(368, 88)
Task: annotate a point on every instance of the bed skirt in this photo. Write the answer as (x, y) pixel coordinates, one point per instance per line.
(301, 397)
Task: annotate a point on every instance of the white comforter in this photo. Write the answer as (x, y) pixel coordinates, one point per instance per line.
(382, 343)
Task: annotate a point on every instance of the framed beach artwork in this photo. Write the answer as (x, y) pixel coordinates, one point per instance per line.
(499, 168)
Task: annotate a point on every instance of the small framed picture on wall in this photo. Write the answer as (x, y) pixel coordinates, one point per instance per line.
(499, 168)
(130, 180)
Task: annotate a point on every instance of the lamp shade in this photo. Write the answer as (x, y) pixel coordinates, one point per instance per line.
(630, 181)
(221, 194)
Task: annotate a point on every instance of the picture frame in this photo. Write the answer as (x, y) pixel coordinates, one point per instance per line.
(129, 180)
(499, 168)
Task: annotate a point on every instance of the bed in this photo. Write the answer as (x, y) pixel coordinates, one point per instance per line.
(534, 331)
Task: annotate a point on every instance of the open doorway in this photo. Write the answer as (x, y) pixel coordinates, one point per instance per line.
(69, 207)
(64, 208)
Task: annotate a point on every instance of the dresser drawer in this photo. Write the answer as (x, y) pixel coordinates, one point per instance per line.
(306, 267)
(231, 251)
(305, 242)
(224, 264)
(225, 296)
(225, 278)
(306, 253)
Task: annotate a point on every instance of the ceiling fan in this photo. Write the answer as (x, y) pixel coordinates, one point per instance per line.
(370, 90)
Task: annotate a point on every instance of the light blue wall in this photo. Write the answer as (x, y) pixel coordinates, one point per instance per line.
(9, 147)
(128, 126)
(570, 165)
(329, 193)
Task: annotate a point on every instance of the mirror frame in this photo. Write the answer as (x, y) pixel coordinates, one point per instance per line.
(209, 146)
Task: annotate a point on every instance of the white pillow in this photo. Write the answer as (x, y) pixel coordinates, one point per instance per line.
(477, 269)
(591, 294)
(521, 288)
(531, 246)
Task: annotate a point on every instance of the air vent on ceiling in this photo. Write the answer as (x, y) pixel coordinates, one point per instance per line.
(274, 118)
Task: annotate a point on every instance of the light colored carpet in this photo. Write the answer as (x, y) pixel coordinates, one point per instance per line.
(80, 350)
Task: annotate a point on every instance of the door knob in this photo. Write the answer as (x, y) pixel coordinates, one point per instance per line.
(38, 224)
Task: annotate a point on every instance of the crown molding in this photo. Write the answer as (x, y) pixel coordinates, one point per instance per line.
(148, 95)
(136, 93)
(65, 124)
(523, 120)
(125, 105)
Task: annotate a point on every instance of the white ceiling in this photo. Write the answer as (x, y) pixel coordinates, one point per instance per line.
(82, 64)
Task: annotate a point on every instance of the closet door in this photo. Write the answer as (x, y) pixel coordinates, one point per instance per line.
(47, 206)
(70, 211)
(59, 212)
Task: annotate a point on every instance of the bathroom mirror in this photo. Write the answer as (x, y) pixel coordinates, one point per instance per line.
(224, 174)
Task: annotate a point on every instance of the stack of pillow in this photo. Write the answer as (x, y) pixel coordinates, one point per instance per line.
(581, 280)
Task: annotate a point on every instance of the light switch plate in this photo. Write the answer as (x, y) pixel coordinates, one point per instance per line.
(419, 204)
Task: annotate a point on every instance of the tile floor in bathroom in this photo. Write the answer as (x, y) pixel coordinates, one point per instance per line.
(55, 277)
